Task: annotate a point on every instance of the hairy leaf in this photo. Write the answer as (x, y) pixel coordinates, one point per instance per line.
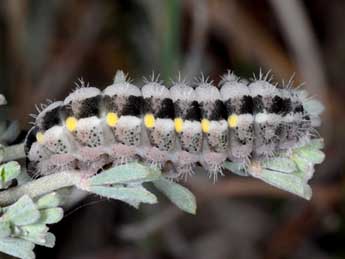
(133, 172)
(50, 200)
(177, 194)
(133, 195)
(23, 212)
(17, 247)
(280, 164)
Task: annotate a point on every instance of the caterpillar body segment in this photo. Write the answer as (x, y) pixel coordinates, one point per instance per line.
(206, 125)
(239, 109)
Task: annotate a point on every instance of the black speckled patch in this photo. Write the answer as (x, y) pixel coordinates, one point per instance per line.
(299, 108)
(163, 109)
(229, 107)
(258, 105)
(286, 106)
(216, 111)
(50, 119)
(133, 106)
(246, 105)
(166, 110)
(277, 105)
(88, 107)
(192, 112)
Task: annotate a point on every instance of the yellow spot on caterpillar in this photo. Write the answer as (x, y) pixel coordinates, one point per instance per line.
(178, 125)
(205, 125)
(233, 120)
(40, 137)
(149, 120)
(112, 119)
(71, 123)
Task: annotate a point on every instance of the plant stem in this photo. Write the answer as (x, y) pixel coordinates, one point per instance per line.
(41, 186)
(13, 152)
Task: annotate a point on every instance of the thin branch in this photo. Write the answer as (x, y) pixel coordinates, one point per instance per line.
(41, 186)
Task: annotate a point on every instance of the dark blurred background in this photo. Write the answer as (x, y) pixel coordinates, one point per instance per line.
(46, 46)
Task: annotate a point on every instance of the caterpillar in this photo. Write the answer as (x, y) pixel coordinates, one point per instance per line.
(180, 127)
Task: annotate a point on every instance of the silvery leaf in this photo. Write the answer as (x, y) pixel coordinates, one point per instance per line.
(317, 143)
(34, 230)
(133, 172)
(23, 212)
(50, 200)
(280, 164)
(236, 168)
(5, 228)
(46, 239)
(50, 216)
(293, 183)
(303, 164)
(177, 194)
(8, 172)
(17, 247)
(314, 156)
(131, 195)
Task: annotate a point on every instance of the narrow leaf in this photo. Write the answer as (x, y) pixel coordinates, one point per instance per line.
(280, 164)
(293, 183)
(236, 168)
(317, 143)
(50, 216)
(312, 155)
(304, 165)
(133, 172)
(50, 200)
(47, 240)
(8, 172)
(136, 194)
(23, 212)
(177, 194)
(17, 247)
(34, 230)
(5, 229)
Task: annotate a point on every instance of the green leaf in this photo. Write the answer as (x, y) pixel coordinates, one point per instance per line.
(34, 230)
(303, 165)
(36, 233)
(293, 183)
(50, 216)
(236, 168)
(50, 200)
(280, 164)
(177, 194)
(5, 229)
(46, 239)
(23, 212)
(317, 143)
(312, 155)
(133, 172)
(17, 247)
(8, 172)
(133, 195)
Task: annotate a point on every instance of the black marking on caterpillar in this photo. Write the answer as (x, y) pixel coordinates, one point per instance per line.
(205, 125)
